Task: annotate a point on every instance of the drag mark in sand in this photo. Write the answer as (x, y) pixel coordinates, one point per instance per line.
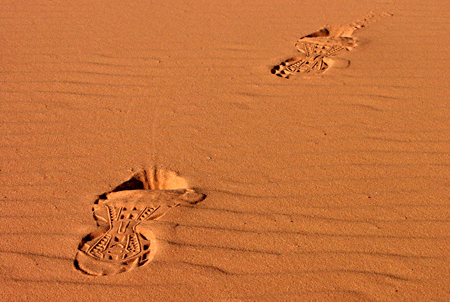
(124, 239)
(318, 50)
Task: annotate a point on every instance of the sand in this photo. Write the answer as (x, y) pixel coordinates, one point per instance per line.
(321, 187)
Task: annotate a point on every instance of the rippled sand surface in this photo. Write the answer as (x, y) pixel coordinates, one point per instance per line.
(330, 186)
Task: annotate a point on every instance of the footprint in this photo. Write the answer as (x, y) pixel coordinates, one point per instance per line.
(123, 239)
(318, 50)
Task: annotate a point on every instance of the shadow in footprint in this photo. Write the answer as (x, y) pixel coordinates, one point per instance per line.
(123, 239)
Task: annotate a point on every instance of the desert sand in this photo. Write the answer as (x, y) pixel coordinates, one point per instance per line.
(330, 186)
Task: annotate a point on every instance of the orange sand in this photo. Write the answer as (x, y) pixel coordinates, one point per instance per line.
(327, 188)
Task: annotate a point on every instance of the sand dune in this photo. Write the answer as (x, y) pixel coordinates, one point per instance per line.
(330, 187)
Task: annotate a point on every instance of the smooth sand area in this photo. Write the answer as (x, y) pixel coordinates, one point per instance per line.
(324, 187)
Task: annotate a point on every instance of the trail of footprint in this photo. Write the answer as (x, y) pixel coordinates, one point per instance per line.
(124, 240)
(318, 50)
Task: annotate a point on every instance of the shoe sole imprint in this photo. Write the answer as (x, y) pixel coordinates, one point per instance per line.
(124, 239)
(317, 49)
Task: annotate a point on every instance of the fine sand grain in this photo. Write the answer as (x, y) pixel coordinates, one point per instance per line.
(333, 186)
